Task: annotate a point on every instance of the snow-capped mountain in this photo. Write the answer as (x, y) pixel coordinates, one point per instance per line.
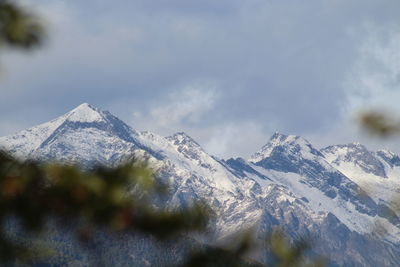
(377, 173)
(327, 193)
(85, 134)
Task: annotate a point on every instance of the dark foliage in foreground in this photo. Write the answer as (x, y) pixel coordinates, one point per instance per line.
(33, 193)
(19, 28)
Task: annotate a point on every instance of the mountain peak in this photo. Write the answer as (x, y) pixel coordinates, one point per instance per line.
(180, 134)
(386, 152)
(85, 113)
(357, 155)
(85, 134)
(182, 138)
(279, 137)
(85, 105)
(277, 140)
(354, 147)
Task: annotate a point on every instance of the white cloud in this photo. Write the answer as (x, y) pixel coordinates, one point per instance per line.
(235, 139)
(186, 108)
(373, 83)
(375, 79)
(179, 110)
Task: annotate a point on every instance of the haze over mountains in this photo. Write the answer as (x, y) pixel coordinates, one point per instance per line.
(337, 194)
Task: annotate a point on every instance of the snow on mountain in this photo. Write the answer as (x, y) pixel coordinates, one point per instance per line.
(288, 183)
(85, 135)
(297, 145)
(293, 154)
(389, 157)
(357, 155)
(23, 143)
(194, 174)
(184, 152)
(86, 113)
(377, 173)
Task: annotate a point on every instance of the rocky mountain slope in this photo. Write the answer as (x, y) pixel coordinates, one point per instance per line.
(337, 194)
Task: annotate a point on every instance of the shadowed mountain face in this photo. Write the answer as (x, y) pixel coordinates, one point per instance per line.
(288, 183)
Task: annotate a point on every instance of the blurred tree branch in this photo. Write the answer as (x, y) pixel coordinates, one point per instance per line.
(34, 193)
(19, 28)
(380, 123)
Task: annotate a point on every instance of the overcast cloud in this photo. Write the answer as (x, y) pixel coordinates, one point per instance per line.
(227, 72)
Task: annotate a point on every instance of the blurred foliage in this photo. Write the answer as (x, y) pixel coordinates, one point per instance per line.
(19, 28)
(280, 251)
(34, 193)
(380, 123)
(234, 255)
(286, 254)
(383, 124)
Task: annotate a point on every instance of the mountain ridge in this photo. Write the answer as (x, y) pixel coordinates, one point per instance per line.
(288, 182)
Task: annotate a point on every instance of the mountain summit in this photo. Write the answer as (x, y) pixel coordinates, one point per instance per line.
(289, 144)
(85, 134)
(336, 194)
(85, 113)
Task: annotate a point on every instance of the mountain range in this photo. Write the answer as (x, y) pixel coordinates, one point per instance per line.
(344, 196)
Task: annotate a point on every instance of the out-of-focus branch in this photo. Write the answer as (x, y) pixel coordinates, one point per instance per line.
(32, 193)
(379, 123)
(19, 28)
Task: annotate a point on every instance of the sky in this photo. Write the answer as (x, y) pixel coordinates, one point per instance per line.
(229, 73)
